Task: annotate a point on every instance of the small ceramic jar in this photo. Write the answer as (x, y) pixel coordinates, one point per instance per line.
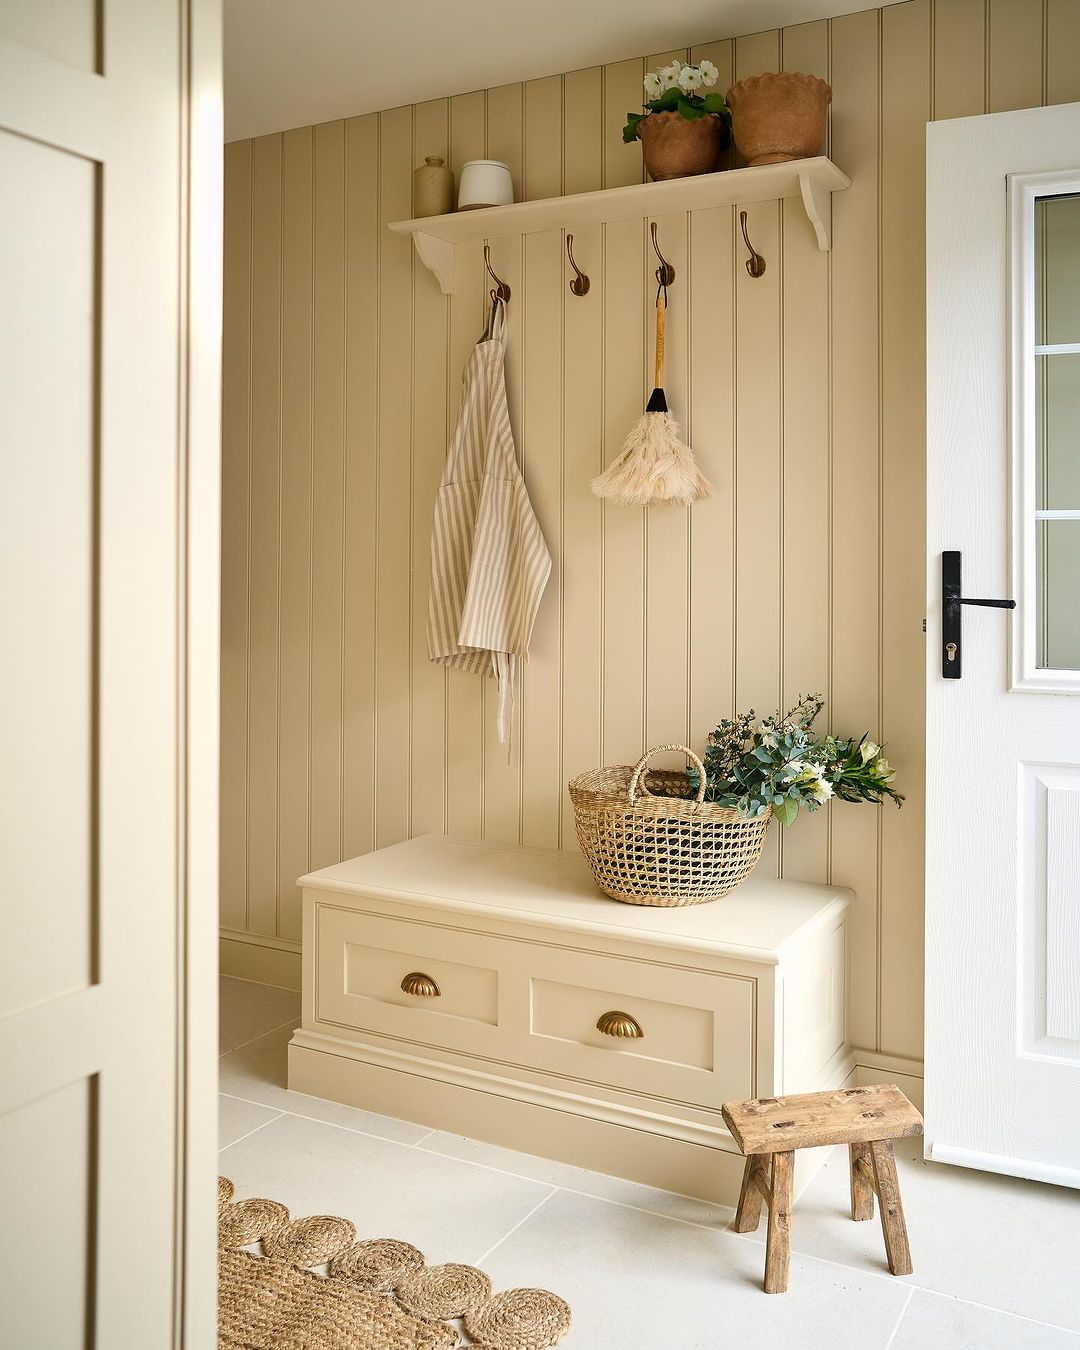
(433, 188)
(485, 182)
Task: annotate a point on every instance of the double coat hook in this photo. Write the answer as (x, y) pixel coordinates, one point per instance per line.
(579, 284)
(502, 290)
(665, 273)
(755, 264)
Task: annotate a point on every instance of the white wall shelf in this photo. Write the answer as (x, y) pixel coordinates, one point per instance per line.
(813, 180)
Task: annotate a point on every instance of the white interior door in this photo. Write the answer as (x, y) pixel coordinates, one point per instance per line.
(108, 580)
(1003, 739)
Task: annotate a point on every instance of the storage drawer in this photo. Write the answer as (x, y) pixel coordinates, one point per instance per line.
(363, 959)
(698, 1037)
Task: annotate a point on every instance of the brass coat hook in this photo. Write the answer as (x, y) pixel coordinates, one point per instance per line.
(755, 264)
(579, 284)
(502, 290)
(665, 273)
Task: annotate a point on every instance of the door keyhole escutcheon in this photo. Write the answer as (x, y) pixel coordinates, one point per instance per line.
(952, 603)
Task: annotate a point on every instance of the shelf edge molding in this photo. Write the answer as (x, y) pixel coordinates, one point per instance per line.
(813, 181)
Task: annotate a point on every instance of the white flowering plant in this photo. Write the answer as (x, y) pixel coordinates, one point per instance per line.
(780, 762)
(680, 88)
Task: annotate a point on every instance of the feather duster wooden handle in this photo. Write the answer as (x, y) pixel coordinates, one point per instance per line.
(660, 311)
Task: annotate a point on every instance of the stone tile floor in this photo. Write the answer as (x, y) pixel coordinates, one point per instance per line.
(997, 1261)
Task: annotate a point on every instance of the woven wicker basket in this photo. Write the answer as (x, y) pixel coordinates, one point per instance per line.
(654, 850)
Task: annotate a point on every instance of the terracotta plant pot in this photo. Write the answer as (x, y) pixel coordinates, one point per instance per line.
(778, 117)
(675, 146)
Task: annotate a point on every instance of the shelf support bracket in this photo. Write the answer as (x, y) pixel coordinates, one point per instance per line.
(817, 202)
(438, 256)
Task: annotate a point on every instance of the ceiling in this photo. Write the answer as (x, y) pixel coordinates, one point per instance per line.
(289, 63)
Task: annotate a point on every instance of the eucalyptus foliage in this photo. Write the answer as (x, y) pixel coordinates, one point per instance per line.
(780, 762)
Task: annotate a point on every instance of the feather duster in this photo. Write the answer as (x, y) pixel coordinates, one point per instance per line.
(655, 466)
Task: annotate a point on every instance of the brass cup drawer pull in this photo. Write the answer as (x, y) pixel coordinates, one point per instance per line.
(619, 1024)
(420, 985)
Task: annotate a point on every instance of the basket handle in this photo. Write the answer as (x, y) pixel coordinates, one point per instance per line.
(658, 750)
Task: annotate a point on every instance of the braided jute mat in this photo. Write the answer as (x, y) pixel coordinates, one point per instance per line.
(378, 1295)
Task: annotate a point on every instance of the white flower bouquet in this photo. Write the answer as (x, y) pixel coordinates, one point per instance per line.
(677, 88)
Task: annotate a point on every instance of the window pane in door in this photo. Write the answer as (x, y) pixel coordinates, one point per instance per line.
(1058, 589)
(1057, 430)
(1057, 270)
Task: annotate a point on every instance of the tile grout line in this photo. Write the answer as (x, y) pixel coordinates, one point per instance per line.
(525, 1219)
(899, 1320)
(255, 1130)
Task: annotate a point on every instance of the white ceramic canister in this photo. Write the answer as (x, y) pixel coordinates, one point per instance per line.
(485, 182)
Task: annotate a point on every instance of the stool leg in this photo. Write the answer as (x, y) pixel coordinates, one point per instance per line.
(862, 1193)
(748, 1214)
(778, 1245)
(892, 1208)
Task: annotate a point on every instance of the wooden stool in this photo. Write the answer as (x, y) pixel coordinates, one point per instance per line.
(866, 1119)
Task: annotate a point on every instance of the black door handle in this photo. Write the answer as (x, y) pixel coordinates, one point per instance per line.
(951, 602)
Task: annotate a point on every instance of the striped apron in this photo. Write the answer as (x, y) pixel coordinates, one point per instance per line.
(489, 562)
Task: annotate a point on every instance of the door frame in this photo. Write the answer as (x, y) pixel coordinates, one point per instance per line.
(199, 586)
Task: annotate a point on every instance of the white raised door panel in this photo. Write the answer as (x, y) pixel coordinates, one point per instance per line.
(1003, 741)
(110, 149)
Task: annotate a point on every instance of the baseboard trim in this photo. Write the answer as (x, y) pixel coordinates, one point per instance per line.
(265, 960)
(870, 1066)
(1010, 1167)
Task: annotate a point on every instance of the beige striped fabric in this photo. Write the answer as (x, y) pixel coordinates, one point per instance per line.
(489, 562)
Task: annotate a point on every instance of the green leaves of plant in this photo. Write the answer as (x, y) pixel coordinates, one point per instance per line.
(690, 106)
(786, 809)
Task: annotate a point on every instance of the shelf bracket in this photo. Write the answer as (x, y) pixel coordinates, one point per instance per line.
(817, 201)
(438, 256)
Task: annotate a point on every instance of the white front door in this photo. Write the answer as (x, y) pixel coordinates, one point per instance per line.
(1003, 687)
(109, 136)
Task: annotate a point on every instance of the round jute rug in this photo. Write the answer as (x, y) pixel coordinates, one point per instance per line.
(378, 1295)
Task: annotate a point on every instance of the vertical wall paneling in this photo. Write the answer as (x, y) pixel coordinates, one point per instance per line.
(959, 50)
(905, 108)
(1015, 70)
(541, 450)
(624, 397)
(328, 495)
(804, 501)
(427, 713)
(623, 93)
(667, 528)
(364, 238)
(760, 541)
(582, 426)
(265, 505)
(295, 542)
(393, 631)
(464, 693)
(854, 548)
(709, 419)
(1062, 42)
(505, 130)
(235, 476)
(801, 393)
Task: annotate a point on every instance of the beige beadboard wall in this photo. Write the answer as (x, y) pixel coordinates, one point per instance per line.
(803, 395)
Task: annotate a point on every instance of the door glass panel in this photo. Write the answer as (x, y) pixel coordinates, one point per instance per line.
(1057, 431)
(1057, 565)
(1057, 270)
